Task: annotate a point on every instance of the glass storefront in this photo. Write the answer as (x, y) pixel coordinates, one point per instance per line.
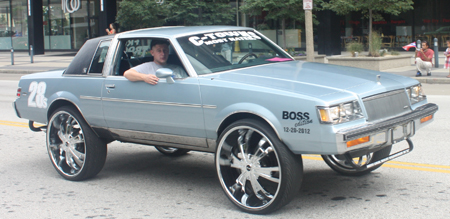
(64, 30)
(13, 24)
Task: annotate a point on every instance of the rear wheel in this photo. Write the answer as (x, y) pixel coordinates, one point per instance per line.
(170, 151)
(339, 164)
(74, 149)
(258, 173)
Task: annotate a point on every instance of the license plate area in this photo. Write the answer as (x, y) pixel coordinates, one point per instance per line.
(401, 132)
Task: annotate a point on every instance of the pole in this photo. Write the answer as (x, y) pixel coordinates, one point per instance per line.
(12, 56)
(309, 36)
(31, 53)
(436, 53)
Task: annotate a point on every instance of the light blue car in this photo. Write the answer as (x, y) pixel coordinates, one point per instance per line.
(244, 99)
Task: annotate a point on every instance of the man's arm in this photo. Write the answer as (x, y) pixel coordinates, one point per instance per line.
(133, 75)
(428, 57)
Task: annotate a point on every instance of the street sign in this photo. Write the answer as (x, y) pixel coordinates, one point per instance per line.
(307, 4)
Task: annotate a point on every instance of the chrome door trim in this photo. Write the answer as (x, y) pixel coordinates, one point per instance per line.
(158, 103)
(158, 139)
(89, 97)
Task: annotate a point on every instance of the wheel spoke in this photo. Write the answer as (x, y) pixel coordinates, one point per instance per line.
(237, 163)
(259, 191)
(243, 145)
(266, 173)
(76, 155)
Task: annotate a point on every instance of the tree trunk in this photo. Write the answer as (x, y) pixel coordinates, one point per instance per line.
(283, 27)
(370, 32)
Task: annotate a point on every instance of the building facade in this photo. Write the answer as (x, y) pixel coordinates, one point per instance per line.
(53, 24)
(59, 25)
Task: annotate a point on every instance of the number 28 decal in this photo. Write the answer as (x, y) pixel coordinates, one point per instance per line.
(37, 95)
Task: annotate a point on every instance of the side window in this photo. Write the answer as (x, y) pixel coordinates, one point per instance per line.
(135, 51)
(99, 58)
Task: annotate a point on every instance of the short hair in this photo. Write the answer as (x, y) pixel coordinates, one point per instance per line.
(159, 42)
(426, 43)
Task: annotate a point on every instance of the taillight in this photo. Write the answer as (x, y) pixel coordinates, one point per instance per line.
(19, 90)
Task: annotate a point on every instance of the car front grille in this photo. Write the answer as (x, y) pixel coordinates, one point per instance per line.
(386, 105)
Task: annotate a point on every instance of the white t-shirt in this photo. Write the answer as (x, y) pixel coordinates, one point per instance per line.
(151, 67)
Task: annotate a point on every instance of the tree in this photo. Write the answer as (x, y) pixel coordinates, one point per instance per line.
(134, 14)
(370, 8)
(277, 9)
(200, 12)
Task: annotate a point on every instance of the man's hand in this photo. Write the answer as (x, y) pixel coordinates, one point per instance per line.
(151, 79)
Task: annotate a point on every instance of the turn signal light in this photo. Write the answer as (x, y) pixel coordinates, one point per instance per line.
(424, 119)
(358, 141)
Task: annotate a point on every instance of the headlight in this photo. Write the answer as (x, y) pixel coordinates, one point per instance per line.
(416, 94)
(340, 113)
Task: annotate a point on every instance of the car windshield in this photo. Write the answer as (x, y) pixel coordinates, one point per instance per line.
(221, 51)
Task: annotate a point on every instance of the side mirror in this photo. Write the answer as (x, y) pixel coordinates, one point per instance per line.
(165, 73)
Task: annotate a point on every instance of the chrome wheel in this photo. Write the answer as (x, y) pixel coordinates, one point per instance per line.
(251, 171)
(339, 164)
(75, 151)
(170, 151)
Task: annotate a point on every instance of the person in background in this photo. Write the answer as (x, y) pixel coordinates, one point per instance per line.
(112, 29)
(447, 58)
(424, 59)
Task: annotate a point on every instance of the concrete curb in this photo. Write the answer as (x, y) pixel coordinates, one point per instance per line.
(433, 80)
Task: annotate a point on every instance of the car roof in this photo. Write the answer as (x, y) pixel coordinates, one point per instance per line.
(177, 31)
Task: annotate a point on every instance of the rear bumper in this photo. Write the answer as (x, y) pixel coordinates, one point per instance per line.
(15, 109)
(385, 132)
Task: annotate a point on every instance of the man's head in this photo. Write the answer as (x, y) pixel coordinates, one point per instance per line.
(160, 51)
(425, 45)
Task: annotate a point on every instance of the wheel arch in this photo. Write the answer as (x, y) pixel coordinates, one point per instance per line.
(60, 102)
(236, 116)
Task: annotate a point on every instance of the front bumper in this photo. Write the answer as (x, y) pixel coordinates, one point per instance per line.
(385, 132)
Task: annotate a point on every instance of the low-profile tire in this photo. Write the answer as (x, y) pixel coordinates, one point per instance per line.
(257, 172)
(340, 165)
(170, 151)
(75, 151)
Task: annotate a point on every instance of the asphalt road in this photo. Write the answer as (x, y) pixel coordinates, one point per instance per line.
(139, 182)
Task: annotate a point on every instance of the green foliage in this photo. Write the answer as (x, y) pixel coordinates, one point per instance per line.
(277, 9)
(394, 7)
(375, 45)
(395, 53)
(354, 47)
(134, 14)
(201, 12)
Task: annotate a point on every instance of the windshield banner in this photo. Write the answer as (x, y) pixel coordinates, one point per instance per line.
(223, 37)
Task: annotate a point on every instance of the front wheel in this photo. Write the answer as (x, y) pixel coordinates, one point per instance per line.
(258, 173)
(74, 149)
(339, 164)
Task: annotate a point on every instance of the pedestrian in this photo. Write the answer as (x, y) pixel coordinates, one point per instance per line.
(424, 59)
(447, 58)
(112, 29)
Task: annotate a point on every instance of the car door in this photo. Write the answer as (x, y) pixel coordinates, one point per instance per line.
(153, 114)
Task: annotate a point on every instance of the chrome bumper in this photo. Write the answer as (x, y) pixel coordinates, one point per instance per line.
(373, 128)
(15, 109)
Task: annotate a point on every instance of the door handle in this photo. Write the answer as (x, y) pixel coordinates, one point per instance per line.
(110, 86)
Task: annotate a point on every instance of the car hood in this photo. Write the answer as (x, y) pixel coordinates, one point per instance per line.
(317, 79)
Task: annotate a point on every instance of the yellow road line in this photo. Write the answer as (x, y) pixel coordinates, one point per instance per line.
(391, 164)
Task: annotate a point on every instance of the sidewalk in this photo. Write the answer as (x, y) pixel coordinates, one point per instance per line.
(60, 60)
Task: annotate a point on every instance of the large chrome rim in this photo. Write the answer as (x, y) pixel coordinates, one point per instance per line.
(340, 161)
(66, 143)
(248, 168)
